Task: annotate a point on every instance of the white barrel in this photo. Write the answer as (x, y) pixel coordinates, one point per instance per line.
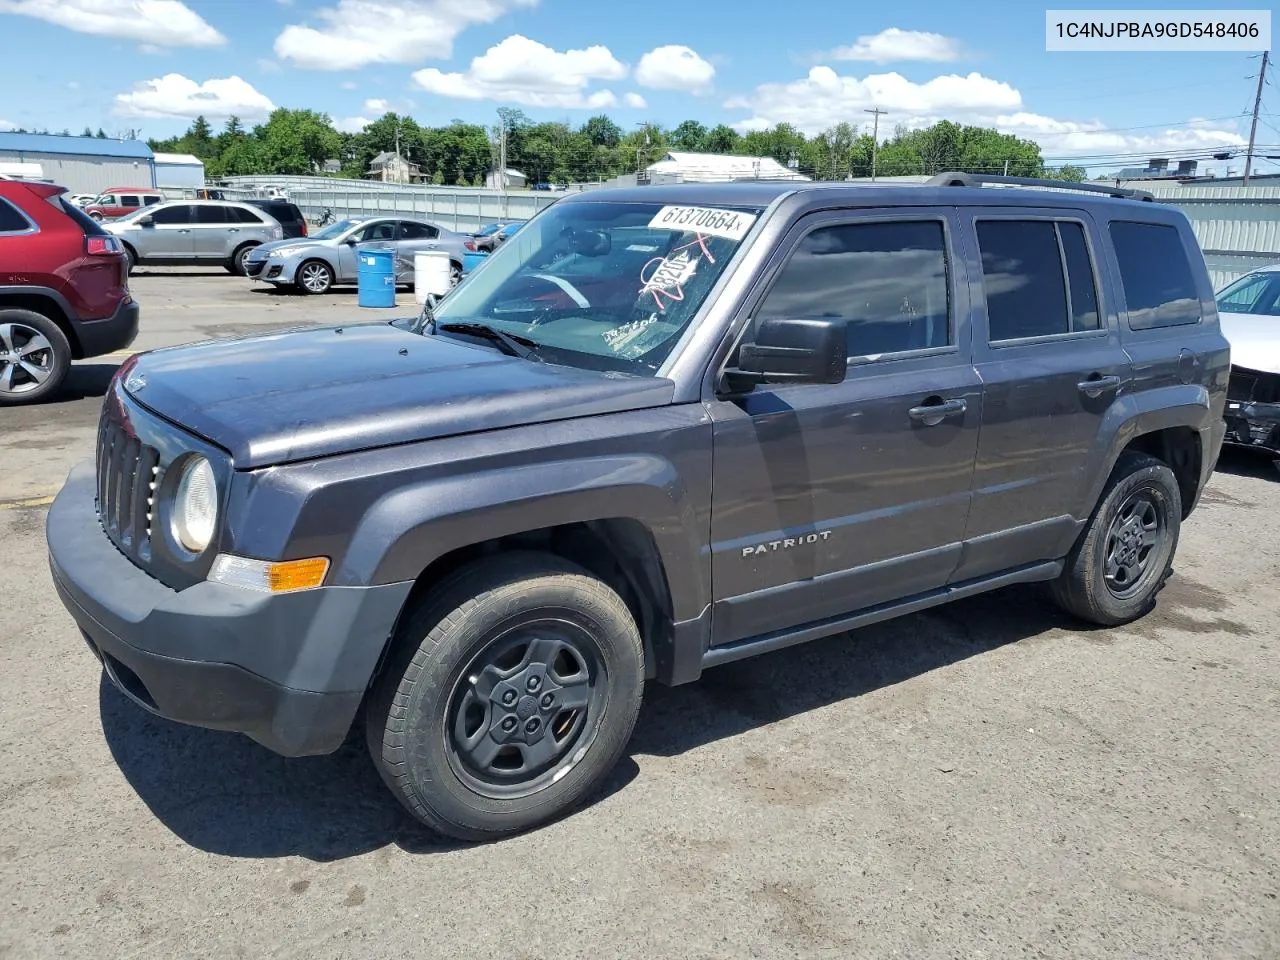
(431, 274)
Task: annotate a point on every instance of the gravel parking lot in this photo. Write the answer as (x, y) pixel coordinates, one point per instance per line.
(987, 780)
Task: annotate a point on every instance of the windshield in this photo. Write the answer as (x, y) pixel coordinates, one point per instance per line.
(333, 230)
(602, 285)
(135, 214)
(1257, 293)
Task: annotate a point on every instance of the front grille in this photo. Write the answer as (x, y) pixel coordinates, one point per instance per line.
(1252, 386)
(128, 475)
(254, 267)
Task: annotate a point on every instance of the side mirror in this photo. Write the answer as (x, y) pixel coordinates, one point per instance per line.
(147, 221)
(352, 240)
(792, 351)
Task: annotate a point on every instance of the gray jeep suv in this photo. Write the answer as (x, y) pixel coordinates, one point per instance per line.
(664, 428)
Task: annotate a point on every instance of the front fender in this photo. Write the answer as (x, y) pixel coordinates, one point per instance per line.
(407, 529)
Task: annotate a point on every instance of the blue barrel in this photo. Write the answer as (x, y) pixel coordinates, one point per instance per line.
(376, 278)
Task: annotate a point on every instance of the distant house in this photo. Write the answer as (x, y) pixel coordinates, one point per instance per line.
(331, 166)
(680, 167)
(515, 179)
(393, 168)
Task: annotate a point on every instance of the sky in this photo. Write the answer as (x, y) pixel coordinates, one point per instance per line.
(153, 65)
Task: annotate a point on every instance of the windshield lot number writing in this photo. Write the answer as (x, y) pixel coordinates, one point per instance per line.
(708, 221)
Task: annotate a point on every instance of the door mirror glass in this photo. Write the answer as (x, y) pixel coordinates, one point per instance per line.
(146, 221)
(793, 351)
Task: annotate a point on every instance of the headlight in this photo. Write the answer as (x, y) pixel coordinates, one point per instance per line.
(195, 506)
(276, 254)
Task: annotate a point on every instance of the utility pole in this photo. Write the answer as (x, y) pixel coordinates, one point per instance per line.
(502, 164)
(1006, 168)
(875, 137)
(1253, 130)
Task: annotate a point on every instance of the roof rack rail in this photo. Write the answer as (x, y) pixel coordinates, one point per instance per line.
(978, 179)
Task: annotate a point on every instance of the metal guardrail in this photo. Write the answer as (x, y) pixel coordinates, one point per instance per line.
(454, 210)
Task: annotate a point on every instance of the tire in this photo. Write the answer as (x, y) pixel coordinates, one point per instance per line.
(480, 623)
(42, 346)
(1141, 490)
(318, 269)
(132, 256)
(236, 265)
(96, 216)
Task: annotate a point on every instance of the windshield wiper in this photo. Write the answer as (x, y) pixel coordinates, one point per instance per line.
(512, 344)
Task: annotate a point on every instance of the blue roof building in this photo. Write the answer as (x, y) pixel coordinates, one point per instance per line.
(82, 164)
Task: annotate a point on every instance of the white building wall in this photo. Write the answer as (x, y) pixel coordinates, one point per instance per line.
(81, 174)
(179, 176)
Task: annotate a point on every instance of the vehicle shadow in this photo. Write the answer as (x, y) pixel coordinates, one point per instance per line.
(1242, 462)
(85, 381)
(224, 794)
(737, 697)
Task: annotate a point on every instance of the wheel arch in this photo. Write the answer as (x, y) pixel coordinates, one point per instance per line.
(49, 303)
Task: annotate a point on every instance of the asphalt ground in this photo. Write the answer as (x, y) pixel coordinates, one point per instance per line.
(986, 780)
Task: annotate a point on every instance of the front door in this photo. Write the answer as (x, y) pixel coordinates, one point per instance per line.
(1052, 364)
(168, 236)
(375, 231)
(832, 499)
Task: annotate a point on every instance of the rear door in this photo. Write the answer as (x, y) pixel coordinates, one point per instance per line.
(833, 498)
(1048, 349)
(209, 232)
(168, 236)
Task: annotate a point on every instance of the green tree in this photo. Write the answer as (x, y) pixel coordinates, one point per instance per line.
(689, 136)
(101, 134)
(296, 141)
(87, 132)
(602, 132)
(721, 139)
(1073, 173)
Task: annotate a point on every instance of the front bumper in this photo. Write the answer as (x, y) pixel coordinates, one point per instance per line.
(1254, 425)
(288, 670)
(116, 332)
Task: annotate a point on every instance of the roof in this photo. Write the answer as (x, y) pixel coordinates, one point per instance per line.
(82, 146)
(719, 166)
(761, 193)
(186, 159)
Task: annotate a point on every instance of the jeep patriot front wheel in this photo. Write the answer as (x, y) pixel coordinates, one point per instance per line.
(510, 694)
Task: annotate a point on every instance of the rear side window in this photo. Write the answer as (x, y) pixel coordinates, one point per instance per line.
(126, 200)
(148, 201)
(1038, 278)
(888, 281)
(243, 215)
(210, 215)
(417, 231)
(12, 219)
(1155, 274)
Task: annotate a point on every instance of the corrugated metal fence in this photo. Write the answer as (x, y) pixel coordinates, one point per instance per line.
(1238, 227)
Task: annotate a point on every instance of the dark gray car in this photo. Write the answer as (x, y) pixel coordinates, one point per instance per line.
(664, 428)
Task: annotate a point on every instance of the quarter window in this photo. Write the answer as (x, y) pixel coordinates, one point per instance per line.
(888, 281)
(1159, 290)
(11, 221)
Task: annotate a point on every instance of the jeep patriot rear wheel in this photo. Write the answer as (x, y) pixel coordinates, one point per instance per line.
(1125, 555)
(510, 694)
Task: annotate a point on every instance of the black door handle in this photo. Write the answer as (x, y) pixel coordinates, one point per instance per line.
(935, 413)
(1095, 385)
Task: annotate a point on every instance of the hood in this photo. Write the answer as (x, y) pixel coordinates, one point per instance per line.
(1254, 339)
(286, 244)
(316, 392)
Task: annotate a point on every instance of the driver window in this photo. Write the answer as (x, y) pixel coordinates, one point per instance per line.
(887, 281)
(1242, 299)
(382, 230)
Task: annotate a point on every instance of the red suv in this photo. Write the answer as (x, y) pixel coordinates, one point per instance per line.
(64, 290)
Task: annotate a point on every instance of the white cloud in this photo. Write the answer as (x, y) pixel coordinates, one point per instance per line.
(889, 46)
(675, 67)
(267, 65)
(160, 23)
(174, 95)
(376, 106)
(1067, 138)
(824, 98)
(523, 71)
(635, 101)
(8, 125)
(359, 32)
(349, 85)
(351, 124)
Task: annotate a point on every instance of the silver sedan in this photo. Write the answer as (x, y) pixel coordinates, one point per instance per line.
(317, 263)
